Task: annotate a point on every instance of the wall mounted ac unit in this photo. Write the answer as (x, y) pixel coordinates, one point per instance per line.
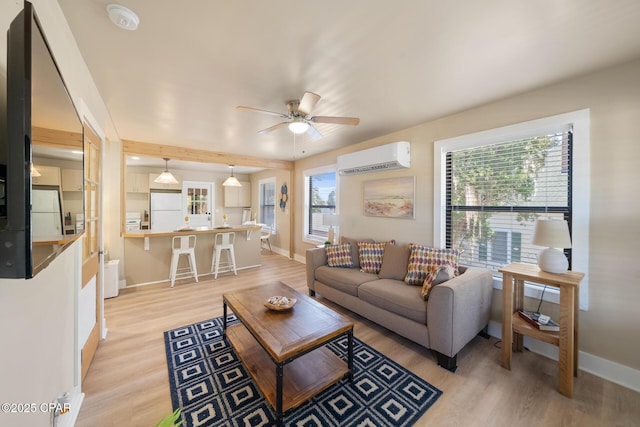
(396, 155)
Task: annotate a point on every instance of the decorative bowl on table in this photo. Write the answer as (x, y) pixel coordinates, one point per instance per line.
(279, 303)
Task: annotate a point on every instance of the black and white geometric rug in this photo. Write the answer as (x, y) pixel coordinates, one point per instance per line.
(212, 387)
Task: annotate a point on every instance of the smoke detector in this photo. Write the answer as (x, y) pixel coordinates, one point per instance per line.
(123, 17)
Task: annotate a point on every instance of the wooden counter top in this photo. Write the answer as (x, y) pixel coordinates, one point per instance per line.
(195, 230)
(57, 239)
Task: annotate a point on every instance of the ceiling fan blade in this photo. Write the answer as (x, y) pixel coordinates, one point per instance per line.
(313, 133)
(308, 101)
(257, 110)
(336, 120)
(274, 127)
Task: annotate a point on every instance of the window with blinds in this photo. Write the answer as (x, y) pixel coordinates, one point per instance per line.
(495, 193)
(321, 199)
(268, 204)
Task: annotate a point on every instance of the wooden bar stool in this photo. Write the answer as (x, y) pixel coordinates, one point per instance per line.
(223, 242)
(183, 245)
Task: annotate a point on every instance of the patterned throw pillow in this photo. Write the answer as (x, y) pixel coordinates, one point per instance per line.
(432, 271)
(371, 255)
(422, 256)
(339, 255)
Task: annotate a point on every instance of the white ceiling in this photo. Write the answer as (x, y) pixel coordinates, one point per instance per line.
(178, 78)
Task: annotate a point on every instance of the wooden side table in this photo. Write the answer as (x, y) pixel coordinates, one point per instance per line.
(514, 328)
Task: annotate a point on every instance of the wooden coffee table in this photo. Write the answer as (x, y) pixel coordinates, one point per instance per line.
(284, 350)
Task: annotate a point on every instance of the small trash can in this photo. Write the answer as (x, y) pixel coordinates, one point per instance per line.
(111, 278)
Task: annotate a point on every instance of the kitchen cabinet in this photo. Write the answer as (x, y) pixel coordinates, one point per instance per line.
(157, 186)
(137, 182)
(72, 179)
(49, 175)
(238, 197)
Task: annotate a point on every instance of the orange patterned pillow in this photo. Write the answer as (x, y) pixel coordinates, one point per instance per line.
(339, 255)
(422, 256)
(433, 271)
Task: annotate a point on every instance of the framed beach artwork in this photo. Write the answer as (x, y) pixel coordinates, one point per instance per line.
(390, 198)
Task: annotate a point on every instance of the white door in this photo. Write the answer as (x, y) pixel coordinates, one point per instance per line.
(198, 203)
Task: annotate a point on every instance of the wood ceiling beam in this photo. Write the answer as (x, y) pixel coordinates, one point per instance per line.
(56, 138)
(147, 149)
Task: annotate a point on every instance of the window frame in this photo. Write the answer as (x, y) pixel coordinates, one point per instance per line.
(307, 174)
(580, 197)
(261, 184)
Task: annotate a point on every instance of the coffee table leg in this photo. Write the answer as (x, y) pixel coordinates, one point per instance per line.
(279, 374)
(224, 319)
(350, 353)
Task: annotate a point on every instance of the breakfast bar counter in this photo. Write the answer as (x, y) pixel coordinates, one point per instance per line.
(148, 252)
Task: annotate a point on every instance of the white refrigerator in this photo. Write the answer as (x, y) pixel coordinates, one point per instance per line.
(166, 211)
(46, 215)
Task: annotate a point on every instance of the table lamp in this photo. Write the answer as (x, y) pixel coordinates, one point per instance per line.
(552, 234)
(331, 220)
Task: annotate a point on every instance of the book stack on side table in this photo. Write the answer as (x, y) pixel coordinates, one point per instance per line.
(532, 318)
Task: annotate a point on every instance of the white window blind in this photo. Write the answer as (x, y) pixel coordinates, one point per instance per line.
(495, 193)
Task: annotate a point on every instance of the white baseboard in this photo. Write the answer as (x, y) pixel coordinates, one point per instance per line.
(611, 371)
(69, 419)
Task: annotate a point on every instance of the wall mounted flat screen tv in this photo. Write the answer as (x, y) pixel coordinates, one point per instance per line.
(41, 151)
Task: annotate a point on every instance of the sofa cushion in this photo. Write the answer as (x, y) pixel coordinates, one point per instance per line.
(370, 255)
(395, 296)
(354, 248)
(345, 280)
(422, 256)
(394, 262)
(339, 255)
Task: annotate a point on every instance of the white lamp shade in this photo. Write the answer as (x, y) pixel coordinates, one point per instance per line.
(232, 181)
(330, 219)
(551, 233)
(166, 178)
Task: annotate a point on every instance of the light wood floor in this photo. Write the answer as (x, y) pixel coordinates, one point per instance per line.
(127, 384)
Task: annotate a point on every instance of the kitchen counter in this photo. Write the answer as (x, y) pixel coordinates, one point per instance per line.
(248, 229)
(148, 252)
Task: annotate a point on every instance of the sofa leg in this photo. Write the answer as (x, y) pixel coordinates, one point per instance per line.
(312, 293)
(448, 363)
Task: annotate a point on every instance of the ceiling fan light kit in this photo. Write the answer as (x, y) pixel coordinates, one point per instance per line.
(123, 17)
(298, 126)
(299, 116)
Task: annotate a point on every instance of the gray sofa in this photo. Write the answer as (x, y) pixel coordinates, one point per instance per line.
(456, 311)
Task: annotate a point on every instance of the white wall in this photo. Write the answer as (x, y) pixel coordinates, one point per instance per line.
(37, 331)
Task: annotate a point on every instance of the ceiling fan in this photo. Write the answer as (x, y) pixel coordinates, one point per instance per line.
(299, 116)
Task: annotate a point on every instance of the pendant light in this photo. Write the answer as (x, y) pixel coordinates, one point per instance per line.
(232, 181)
(166, 177)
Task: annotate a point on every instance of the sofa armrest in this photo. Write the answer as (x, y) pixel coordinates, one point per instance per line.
(315, 257)
(458, 309)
